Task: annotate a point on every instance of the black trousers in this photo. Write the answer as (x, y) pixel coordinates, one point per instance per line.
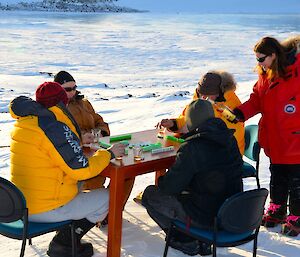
(284, 185)
(164, 208)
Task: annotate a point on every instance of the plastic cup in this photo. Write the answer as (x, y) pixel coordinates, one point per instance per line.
(97, 134)
(138, 153)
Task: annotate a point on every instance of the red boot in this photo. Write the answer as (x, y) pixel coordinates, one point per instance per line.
(275, 214)
(292, 226)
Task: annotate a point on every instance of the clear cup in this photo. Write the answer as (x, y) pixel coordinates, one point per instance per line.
(138, 153)
(97, 134)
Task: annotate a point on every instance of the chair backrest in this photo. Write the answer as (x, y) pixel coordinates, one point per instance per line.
(252, 148)
(12, 202)
(243, 212)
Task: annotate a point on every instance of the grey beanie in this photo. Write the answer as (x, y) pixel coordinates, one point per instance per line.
(197, 113)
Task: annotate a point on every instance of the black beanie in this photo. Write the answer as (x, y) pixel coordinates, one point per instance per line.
(63, 77)
(197, 113)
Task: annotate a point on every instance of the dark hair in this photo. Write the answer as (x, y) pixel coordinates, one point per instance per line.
(268, 46)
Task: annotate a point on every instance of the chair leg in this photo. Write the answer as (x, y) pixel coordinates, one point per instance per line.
(25, 232)
(257, 181)
(74, 243)
(257, 177)
(30, 241)
(255, 246)
(214, 250)
(168, 238)
(23, 247)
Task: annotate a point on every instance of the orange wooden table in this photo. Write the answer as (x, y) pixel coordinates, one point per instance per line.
(119, 170)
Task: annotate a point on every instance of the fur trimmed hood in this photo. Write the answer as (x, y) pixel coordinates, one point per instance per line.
(292, 44)
(228, 82)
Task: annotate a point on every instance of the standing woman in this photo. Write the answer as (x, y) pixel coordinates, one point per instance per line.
(276, 95)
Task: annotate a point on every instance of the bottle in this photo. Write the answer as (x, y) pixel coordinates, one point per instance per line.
(224, 110)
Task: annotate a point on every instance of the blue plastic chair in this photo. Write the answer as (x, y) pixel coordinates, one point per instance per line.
(14, 218)
(237, 222)
(252, 151)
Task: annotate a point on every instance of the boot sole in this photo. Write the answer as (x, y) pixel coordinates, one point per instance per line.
(87, 252)
(272, 222)
(289, 231)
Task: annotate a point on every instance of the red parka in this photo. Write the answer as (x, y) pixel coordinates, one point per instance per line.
(279, 103)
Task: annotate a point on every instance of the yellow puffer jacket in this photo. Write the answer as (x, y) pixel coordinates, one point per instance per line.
(232, 101)
(46, 158)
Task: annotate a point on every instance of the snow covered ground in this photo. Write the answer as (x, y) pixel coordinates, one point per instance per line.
(151, 63)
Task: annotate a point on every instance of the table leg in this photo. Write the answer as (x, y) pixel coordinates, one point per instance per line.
(116, 197)
(159, 173)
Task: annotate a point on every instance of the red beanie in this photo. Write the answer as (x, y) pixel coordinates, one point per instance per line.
(50, 94)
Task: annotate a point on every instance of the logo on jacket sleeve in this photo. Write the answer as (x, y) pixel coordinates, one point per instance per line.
(75, 145)
(290, 108)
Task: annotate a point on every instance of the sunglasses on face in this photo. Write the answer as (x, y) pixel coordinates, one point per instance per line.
(69, 89)
(261, 59)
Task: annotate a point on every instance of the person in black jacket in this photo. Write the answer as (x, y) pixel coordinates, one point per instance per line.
(207, 170)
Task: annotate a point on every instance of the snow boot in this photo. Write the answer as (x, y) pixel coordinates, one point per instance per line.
(292, 226)
(190, 248)
(61, 244)
(275, 214)
(205, 249)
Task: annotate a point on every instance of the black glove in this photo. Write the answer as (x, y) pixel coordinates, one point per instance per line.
(239, 115)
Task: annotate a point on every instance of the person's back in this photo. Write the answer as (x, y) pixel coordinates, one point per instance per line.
(213, 167)
(46, 159)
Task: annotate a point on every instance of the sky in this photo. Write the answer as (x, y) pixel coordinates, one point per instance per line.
(215, 6)
(151, 64)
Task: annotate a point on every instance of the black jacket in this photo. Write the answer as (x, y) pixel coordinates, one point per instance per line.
(207, 170)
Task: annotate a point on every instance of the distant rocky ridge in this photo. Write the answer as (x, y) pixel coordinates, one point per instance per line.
(68, 6)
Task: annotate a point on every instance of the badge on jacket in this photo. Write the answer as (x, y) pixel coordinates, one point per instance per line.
(290, 108)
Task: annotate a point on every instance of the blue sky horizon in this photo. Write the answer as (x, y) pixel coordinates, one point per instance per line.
(216, 6)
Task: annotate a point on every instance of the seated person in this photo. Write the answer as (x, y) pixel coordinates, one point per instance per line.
(219, 86)
(87, 119)
(207, 170)
(47, 162)
(81, 109)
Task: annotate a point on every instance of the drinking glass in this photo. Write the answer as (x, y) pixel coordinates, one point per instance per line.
(97, 134)
(138, 153)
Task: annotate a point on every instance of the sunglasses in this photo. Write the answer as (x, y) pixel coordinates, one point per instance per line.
(69, 89)
(261, 59)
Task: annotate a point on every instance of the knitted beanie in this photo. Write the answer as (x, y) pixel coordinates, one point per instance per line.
(50, 94)
(63, 77)
(197, 113)
(210, 84)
